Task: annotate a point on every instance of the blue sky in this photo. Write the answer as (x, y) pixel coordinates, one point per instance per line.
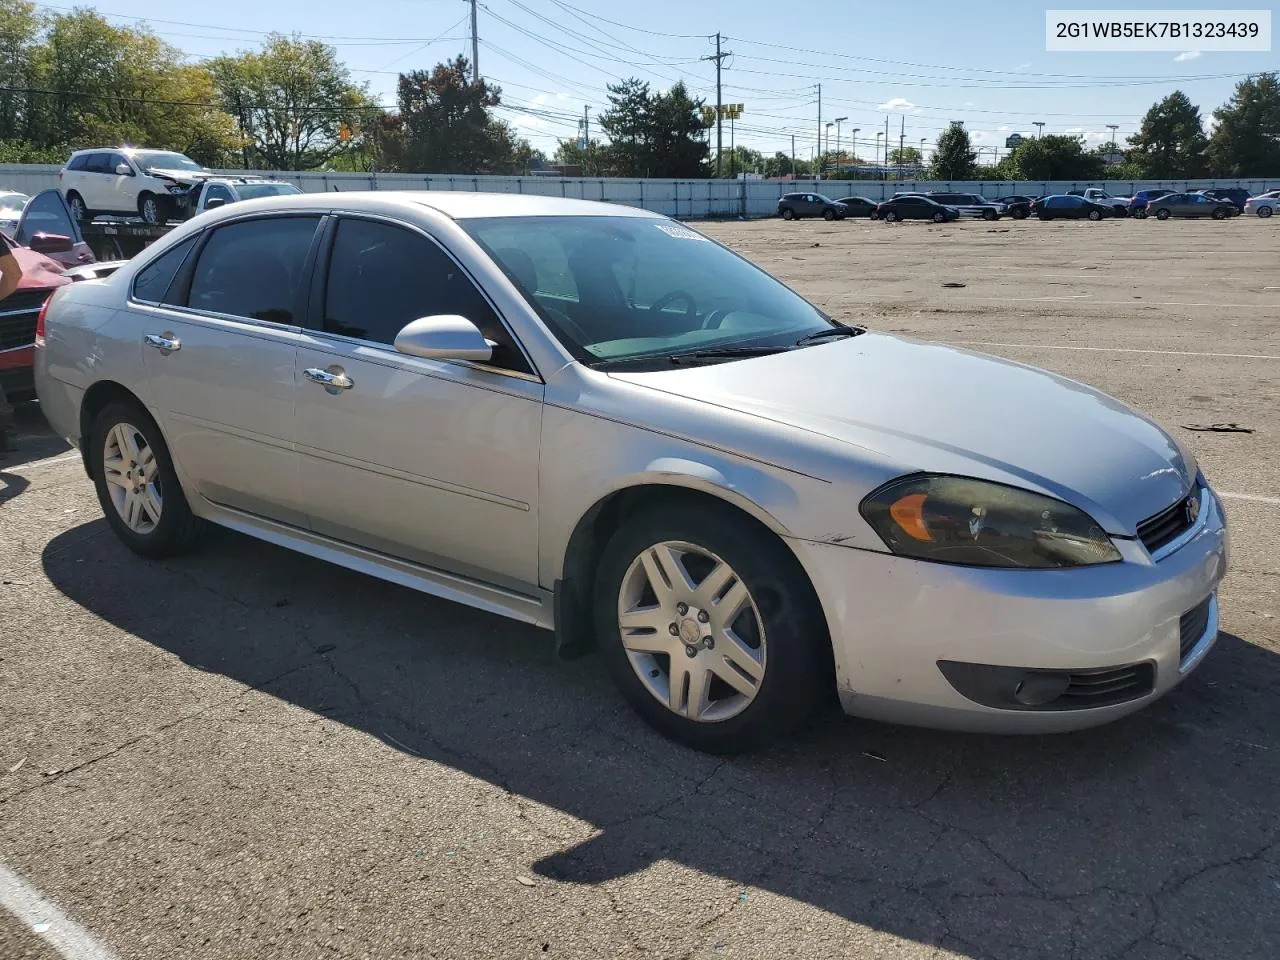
(929, 61)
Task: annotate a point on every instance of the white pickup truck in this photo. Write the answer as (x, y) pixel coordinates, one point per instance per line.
(1098, 195)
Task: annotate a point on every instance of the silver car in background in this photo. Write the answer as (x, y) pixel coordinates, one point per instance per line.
(596, 420)
(1264, 205)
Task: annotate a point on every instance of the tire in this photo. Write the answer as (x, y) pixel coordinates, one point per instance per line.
(791, 652)
(177, 529)
(891, 216)
(1265, 212)
(1219, 214)
(76, 207)
(1018, 213)
(1162, 213)
(788, 214)
(1095, 215)
(152, 209)
(828, 215)
(939, 218)
(990, 215)
(1120, 211)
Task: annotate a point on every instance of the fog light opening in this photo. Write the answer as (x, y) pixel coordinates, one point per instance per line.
(1037, 689)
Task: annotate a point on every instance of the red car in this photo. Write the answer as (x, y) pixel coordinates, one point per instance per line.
(46, 244)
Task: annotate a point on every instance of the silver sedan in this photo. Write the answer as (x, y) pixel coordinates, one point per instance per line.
(1263, 205)
(594, 419)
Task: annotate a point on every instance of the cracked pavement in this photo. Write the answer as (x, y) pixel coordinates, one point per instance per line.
(244, 753)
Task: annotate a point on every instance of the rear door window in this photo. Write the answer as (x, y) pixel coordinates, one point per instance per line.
(46, 212)
(98, 163)
(254, 269)
(79, 163)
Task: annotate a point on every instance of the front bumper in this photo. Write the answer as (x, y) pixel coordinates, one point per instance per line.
(893, 619)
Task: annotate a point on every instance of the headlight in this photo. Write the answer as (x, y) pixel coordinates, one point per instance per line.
(974, 522)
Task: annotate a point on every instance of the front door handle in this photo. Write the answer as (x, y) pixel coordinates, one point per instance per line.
(164, 342)
(333, 379)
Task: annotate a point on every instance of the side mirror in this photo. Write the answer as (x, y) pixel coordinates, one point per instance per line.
(51, 243)
(124, 170)
(444, 337)
(213, 202)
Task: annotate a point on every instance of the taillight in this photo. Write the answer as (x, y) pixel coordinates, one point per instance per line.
(40, 320)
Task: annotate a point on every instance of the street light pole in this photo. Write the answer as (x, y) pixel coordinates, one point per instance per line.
(922, 143)
(854, 139)
(838, 121)
(830, 124)
(879, 134)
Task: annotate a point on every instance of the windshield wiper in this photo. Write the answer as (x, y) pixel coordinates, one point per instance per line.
(725, 353)
(841, 331)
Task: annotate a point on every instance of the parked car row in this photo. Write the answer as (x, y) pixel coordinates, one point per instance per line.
(1092, 203)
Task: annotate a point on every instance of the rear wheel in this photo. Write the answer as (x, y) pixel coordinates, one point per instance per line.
(76, 207)
(710, 628)
(1018, 213)
(1095, 215)
(136, 483)
(788, 214)
(1162, 213)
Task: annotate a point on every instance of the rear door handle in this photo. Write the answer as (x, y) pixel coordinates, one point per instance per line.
(165, 343)
(331, 380)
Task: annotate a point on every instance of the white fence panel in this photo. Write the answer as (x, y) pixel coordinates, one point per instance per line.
(687, 199)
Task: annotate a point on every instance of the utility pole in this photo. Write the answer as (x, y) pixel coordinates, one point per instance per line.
(793, 156)
(1113, 127)
(1039, 125)
(718, 57)
(818, 164)
(475, 46)
(902, 139)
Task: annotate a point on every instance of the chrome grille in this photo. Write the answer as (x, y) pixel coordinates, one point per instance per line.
(18, 314)
(1169, 524)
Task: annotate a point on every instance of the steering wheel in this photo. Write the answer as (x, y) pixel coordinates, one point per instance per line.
(690, 311)
(566, 321)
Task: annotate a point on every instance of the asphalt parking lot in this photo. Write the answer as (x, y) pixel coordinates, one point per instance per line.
(249, 754)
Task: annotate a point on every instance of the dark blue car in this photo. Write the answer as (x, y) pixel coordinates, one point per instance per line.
(1138, 205)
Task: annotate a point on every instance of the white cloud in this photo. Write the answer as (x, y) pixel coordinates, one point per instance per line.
(897, 103)
(1189, 55)
(1022, 68)
(1003, 128)
(968, 103)
(1074, 131)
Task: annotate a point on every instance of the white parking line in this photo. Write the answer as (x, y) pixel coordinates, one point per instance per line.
(1248, 496)
(47, 462)
(1171, 353)
(58, 930)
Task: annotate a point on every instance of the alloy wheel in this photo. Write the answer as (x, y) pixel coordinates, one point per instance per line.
(131, 471)
(692, 631)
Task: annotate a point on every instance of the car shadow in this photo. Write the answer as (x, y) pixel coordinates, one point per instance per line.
(1156, 830)
(34, 440)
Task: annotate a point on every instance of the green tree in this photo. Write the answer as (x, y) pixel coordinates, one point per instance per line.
(591, 158)
(677, 136)
(1052, 157)
(741, 160)
(627, 121)
(445, 125)
(1246, 141)
(780, 165)
(904, 157)
(954, 157)
(294, 101)
(1170, 144)
(20, 27)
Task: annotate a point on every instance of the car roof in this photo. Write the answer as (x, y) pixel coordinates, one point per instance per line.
(456, 204)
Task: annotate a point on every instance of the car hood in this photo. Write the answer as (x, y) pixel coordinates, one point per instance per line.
(38, 271)
(934, 408)
(181, 176)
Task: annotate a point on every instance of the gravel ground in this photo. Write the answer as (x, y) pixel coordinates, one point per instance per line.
(248, 754)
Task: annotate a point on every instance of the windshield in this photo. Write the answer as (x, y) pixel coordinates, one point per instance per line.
(165, 160)
(628, 288)
(13, 201)
(251, 191)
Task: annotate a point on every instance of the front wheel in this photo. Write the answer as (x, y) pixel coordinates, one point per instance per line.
(788, 214)
(76, 207)
(136, 483)
(1019, 214)
(828, 215)
(1095, 215)
(990, 215)
(939, 217)
(892, 216)
(1219, 214)
(151, 209)
(1264, 212)
(710, 628)
(1162, 214)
